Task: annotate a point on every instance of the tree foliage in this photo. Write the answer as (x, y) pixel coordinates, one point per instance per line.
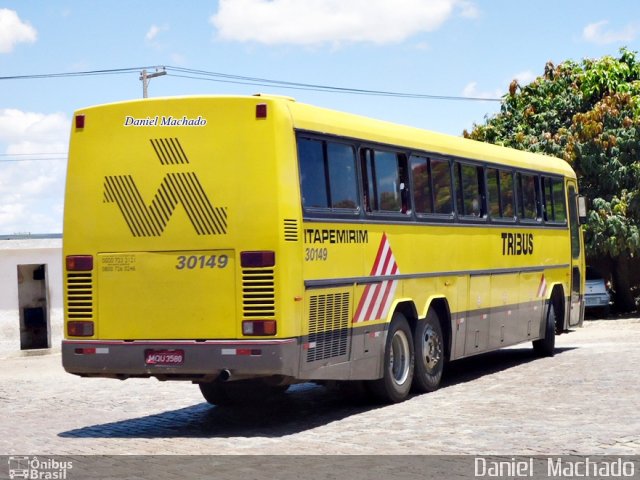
(589, 114)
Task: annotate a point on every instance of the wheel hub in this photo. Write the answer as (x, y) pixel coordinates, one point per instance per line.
(431, 348)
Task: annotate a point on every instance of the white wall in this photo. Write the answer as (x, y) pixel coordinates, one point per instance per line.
(47, 251)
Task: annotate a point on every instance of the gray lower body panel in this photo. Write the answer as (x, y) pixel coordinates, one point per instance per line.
(188, 360)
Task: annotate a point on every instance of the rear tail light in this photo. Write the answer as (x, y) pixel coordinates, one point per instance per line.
(259, 327)
(261, 110)
(80, 120)
(257, 259)
(80, 329)
(79, 263)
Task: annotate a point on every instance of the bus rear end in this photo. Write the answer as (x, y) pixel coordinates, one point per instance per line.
(174, 232)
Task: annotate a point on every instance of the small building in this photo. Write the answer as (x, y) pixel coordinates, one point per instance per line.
(31, 313)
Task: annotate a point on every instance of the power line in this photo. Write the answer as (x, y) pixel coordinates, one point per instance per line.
(13, 160)
(33, 157)
(229, 78)
(220, 77)
(87, 73)
(24, 154)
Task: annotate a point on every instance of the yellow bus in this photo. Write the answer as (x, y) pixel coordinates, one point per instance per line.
(249, 243)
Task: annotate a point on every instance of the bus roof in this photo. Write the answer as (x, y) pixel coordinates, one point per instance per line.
(308, 117)
(333, 122)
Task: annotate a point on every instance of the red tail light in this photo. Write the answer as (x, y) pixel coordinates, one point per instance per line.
(79, 263)
(80, 329)
(261, 110)
(80, 120)
(259, 327)
(257, 259)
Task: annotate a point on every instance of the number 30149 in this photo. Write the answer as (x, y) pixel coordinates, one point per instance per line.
(316, 254)
(202, 261)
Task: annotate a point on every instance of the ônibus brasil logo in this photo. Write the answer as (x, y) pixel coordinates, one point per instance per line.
(34, 468)
(184, 188)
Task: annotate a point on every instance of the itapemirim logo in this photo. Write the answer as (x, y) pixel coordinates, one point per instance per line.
(35, 468)
(182, 188)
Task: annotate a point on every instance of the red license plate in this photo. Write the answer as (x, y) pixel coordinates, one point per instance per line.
(164, 357)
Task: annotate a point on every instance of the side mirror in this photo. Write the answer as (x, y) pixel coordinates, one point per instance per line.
(582, 210)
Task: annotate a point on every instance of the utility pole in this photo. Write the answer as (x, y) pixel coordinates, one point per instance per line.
(145, 77)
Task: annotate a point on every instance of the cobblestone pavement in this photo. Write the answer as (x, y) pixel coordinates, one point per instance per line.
(585, 400)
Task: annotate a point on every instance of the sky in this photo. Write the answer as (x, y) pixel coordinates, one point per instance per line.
(466, 50)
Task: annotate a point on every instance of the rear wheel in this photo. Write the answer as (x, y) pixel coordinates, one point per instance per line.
(429, 353)
(397, 376)
(239, 392)
(215, 393)
(545, 347)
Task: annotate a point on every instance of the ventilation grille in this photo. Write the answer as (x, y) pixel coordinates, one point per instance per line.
(79, 296)
(290, 230)
(258, 293)
(328, 326)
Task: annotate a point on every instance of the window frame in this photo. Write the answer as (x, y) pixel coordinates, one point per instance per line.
(480, 175)
(367, 157)
(554, 180)
(404, 156)
(519, 173)
(502, 169)
(329, 211)
(433, 215)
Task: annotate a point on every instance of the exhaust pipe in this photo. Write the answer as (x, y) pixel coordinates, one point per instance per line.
(225, 375)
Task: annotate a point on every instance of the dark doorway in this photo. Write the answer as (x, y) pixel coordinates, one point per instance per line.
(33, 306)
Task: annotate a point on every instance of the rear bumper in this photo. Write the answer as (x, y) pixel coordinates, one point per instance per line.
(597, 300)
(200, 360)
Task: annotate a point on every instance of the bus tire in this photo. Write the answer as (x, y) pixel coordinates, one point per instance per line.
(545, 347)
(398, 364)
(242, 392)
(429, 354)
(215, 393)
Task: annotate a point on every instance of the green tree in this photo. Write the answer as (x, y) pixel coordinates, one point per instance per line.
(589, 114)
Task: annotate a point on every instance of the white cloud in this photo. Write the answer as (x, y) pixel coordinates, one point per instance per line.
(598, 33)
(29, 132)
(471, 91)
(469, 9)
(32, 190)
(154, 31)
(315, 22)
(14, 31)
(524, 78)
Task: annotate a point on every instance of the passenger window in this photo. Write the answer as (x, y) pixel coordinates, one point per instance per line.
(554, 203)
(312, 173)
(493, 192)
(528, 197)
(441, 178)
(327, 175)
(422, 193)
(469, 179)
(506, 194)
(500, 193)
(387, 181)
(342, 176)
(385, 185)
(432, 185)
(547, 196)
(559, 204)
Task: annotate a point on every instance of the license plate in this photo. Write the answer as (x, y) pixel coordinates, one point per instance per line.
(164, 357)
